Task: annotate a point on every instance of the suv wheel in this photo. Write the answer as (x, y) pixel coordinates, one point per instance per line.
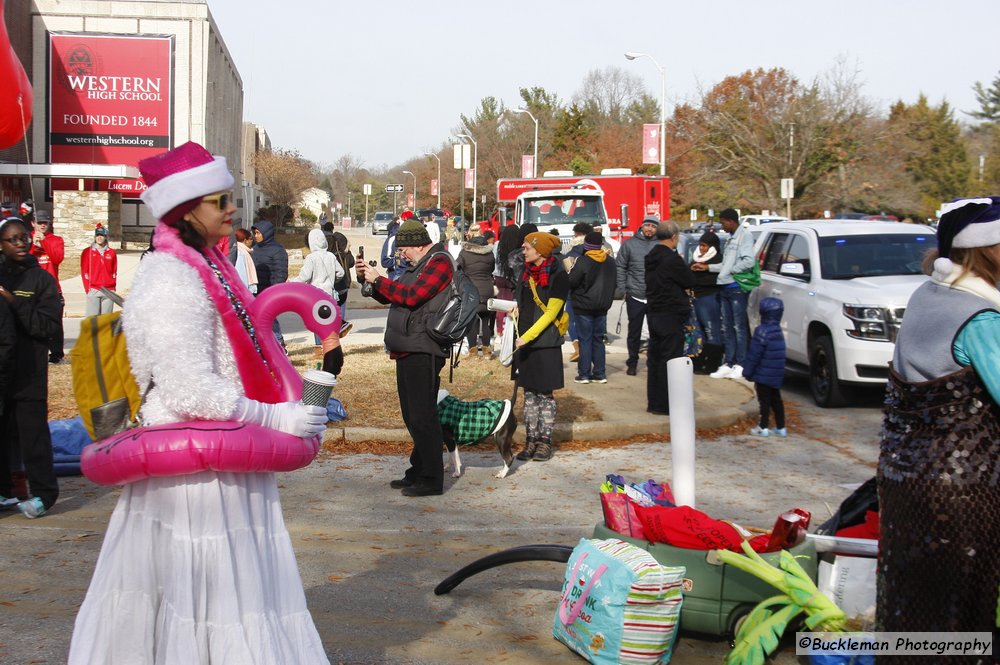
(826, 387)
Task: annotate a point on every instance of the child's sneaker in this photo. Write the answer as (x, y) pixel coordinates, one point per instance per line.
(722, 373)
(759, 431)
(781, 431)
(7, 503)
(345, 328)
(32, 508)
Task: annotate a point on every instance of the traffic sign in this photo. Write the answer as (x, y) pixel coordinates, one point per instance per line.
(366, 189)
(393, 188)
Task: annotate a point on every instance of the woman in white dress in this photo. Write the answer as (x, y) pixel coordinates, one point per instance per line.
(198, 569)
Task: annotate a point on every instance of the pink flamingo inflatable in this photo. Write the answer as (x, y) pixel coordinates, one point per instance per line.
(189, 447)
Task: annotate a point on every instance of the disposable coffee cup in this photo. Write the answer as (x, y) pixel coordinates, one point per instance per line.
(317, 386)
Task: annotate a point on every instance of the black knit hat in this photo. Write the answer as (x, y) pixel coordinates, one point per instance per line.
(412, 234)
(593, 240)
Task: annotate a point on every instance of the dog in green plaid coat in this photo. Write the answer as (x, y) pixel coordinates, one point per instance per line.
(466, 423)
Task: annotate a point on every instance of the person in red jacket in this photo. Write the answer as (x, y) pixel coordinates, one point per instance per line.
(99, 268)
(50, 250)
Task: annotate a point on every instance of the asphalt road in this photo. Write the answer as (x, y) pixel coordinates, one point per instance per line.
(370, 557)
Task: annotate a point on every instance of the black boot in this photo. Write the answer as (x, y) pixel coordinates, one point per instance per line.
(528, 452)
(543, 452)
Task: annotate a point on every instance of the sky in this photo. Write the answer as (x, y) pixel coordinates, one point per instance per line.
(386, 81)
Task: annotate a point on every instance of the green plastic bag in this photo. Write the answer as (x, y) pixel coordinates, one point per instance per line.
(750, 279)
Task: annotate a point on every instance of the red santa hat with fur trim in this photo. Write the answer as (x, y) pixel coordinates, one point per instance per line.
(177, 180)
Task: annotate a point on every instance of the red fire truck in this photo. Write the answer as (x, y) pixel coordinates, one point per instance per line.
(643, 194)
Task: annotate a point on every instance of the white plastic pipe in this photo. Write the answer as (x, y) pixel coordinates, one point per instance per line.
(680, 380)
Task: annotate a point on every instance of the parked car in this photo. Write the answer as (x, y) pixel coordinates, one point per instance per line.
(845, 285)
(757, 220)
(381, 222)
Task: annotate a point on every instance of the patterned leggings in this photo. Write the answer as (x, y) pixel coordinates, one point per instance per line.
(539, 417)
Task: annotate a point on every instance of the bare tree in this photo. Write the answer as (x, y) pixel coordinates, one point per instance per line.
(284, 175)
(608, 94)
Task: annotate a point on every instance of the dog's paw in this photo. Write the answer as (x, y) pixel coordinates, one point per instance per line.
(502, 473)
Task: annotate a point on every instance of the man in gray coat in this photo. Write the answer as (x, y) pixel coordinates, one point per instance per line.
(631, 263)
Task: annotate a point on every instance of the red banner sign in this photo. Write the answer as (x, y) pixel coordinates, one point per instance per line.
(434, 187)
(651, 144)
(470, 178)
(527, 166)
(110, 101)
(409, 199)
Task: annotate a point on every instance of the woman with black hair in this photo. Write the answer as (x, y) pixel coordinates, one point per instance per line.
(33, 298)
(199, 568)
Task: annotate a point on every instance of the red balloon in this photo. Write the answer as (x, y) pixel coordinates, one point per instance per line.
(15, 92)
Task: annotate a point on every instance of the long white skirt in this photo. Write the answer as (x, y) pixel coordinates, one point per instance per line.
(197, 570)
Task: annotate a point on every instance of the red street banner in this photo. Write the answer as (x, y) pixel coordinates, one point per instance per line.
(409, 199)
(651, 144)
(434, 187)
(527, 166)
(110, 102)
(470, 178)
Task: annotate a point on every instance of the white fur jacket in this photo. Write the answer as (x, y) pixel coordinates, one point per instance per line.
(176, 337)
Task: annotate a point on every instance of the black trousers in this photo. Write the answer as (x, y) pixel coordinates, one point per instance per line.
(770, 398)
(417, 382)
(666, 342)
(482, 328)
(636, 311)
(24, 427)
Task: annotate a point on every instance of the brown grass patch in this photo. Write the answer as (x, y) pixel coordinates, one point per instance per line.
(367, 386)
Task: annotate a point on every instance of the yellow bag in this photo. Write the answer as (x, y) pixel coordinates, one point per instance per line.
(102, 376)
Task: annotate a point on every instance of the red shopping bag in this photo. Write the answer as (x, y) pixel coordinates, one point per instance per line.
(685, 527)
(620, 515)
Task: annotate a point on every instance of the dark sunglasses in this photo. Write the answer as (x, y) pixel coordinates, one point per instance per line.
(222, 200)
(22, 239)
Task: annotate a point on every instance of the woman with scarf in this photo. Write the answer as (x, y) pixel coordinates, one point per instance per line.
(199, 568)
(706, 303)
(541, 293)
(939, 467)
(510, 264)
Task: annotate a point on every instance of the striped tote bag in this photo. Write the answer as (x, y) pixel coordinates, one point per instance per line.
(618, 604)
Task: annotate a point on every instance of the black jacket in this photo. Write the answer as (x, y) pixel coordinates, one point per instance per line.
(269, 258)
(529, 312)
(592, 285)
(405, 328)
(8, 338)
(478, 263)
(667, 278)
(37, 311)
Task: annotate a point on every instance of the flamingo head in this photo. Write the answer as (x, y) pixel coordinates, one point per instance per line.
(317, 309)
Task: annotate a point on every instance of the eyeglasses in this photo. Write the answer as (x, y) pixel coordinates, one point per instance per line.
(222, 200)
(22, 239)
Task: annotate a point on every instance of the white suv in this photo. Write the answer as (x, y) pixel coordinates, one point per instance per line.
(845, 285)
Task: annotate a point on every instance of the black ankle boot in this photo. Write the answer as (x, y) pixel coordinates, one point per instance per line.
(528, 452)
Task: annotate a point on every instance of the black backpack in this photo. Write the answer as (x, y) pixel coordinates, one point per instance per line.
(451, 324)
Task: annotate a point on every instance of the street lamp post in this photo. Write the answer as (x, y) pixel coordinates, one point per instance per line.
(475, 172)
(534, 164)
(414, 188)
(439, 176)
(632, 55)
(349, 207)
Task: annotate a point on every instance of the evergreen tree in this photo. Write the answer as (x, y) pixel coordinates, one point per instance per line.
(934, 153)
(989, 101)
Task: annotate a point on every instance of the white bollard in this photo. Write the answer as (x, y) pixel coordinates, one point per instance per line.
(680, 380)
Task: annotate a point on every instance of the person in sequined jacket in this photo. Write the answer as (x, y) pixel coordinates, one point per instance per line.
(939, 466)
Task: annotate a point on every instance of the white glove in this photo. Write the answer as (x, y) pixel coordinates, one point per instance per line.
(293, 418)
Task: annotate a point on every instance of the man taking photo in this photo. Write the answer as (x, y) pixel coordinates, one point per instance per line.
(414, 297)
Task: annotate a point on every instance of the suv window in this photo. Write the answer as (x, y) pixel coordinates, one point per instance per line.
(798, 252)
(847, 257)
(773, 252)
